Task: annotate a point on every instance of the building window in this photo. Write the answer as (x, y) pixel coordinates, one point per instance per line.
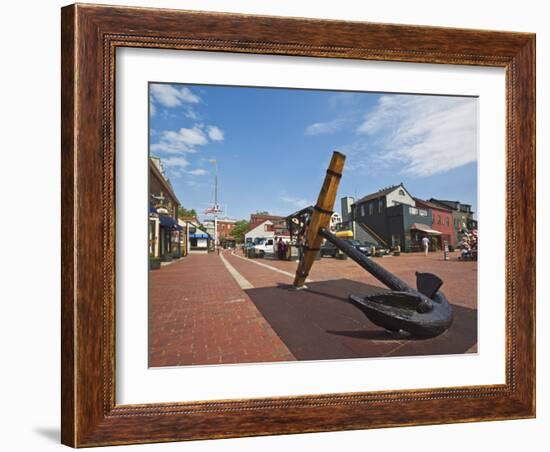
(380, 205)
(446, 221)
(413, 210)
(439, 219)
(401, 192)
(371, 208)
(422, 212)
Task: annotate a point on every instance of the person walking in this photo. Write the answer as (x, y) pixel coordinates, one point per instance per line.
(426, 244)
(280, 249)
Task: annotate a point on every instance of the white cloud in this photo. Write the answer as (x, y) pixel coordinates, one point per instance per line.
(197, 172)
(193, 136)
(152, 108)
(171, 148)
(175, 162)
(179, 167)
(298, 203)
(319, 128)
(215, 133)
(181, 141)
(429, 134)
(191, 113)
(172, 96)
(343, 99)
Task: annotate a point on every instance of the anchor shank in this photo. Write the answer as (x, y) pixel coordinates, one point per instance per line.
(384, 276)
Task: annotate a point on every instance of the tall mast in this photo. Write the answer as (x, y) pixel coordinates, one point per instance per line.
(216, 186)
(215, 205)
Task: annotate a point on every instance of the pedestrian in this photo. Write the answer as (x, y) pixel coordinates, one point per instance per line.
(426, 244)
(280, 249)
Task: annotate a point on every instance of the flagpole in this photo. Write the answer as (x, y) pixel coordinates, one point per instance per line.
(215, 205)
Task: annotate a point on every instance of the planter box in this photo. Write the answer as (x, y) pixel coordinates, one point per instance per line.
(166, 258)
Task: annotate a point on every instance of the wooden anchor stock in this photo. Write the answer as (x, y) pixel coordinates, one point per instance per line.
(320, 218)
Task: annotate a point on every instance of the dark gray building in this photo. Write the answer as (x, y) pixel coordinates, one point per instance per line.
(390, 217)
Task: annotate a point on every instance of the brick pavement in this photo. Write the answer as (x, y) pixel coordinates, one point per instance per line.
(325, 327)
(259, 275)
(198, 314)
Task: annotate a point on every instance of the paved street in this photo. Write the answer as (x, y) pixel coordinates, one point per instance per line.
(210, 309)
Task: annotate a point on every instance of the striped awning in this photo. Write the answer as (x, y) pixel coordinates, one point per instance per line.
(424, 228)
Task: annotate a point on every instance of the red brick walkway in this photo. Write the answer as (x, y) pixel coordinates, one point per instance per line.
(198, 314)
(258, 275)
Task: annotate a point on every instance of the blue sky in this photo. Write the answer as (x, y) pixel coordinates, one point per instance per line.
(272, 146)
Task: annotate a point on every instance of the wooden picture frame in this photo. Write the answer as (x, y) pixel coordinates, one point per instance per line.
(90, 36)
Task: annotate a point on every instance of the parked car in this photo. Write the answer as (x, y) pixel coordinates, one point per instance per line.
(247, 246)
(328, 249)
(379, 250)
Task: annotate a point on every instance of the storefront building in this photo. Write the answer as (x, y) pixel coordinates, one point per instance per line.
(392, 218)
(164, 230)
(442, 221)
(462, 216)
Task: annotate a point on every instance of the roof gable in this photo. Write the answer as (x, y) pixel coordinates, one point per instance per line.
(383, 193)
(387, 192)
(378, 194)
(432, 205)
(258, 225)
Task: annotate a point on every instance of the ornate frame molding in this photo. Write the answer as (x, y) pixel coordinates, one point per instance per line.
(90, 37)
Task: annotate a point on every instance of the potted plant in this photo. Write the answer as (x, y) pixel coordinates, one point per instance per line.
(154, 262)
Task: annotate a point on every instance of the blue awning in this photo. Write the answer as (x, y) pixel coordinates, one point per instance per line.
(168, 222)
(199, 236)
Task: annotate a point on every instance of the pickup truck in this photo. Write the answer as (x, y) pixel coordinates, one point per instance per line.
(264, 246)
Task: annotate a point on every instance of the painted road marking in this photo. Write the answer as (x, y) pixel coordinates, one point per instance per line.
(235, 300)
(241, 280)
(261, 264)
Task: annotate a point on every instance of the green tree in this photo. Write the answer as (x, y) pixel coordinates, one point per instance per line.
(262, 212)
(183, 212)
(240, 229)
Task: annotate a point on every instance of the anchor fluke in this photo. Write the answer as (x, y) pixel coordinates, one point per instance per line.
(396, 311)
(428, 283)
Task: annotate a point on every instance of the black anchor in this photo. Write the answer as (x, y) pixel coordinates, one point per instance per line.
(423, 312)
